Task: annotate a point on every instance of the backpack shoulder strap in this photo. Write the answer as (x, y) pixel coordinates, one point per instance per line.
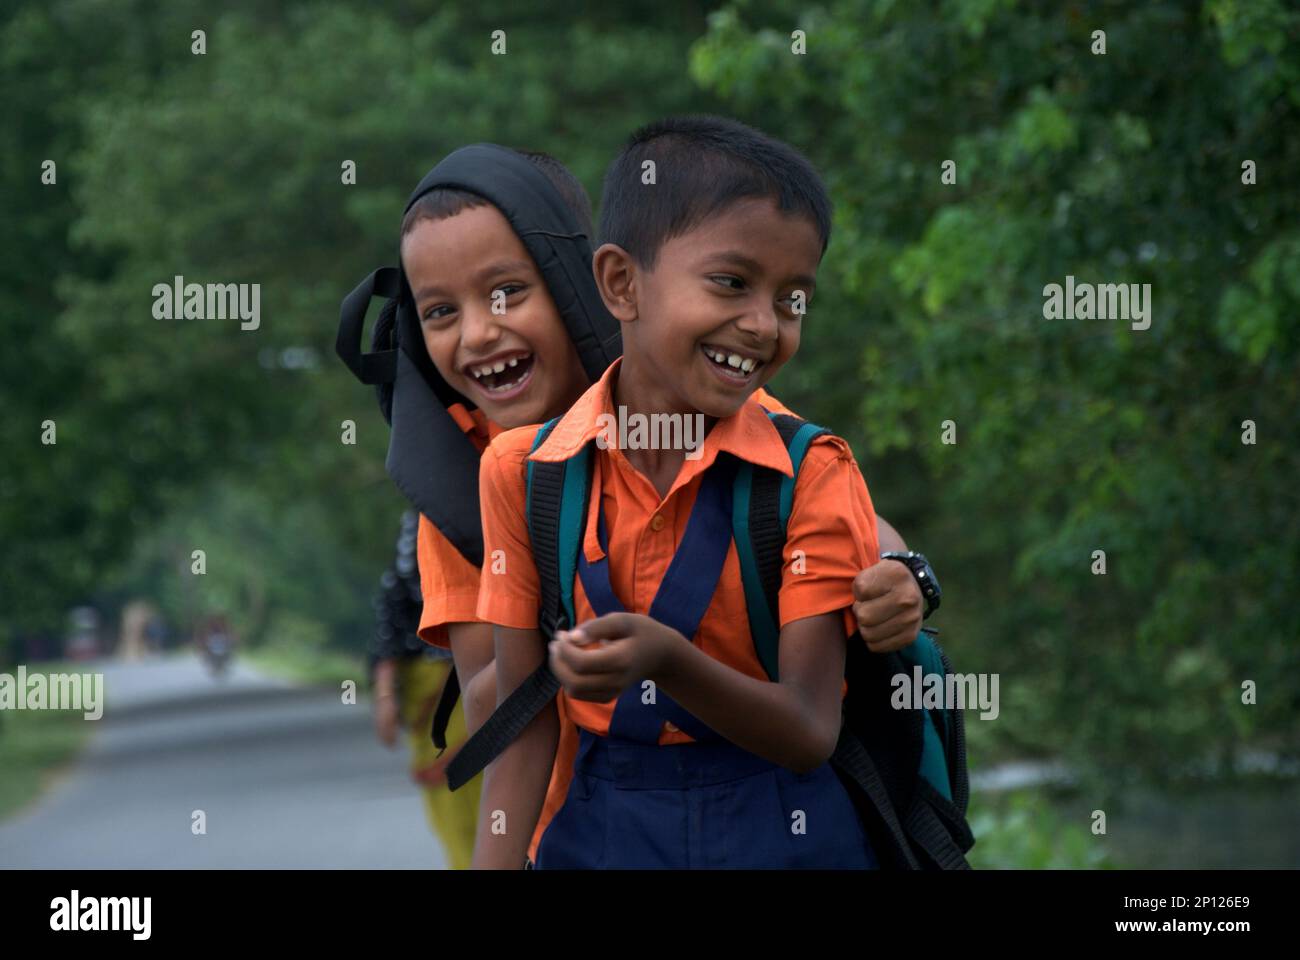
(557, 497)
(557, 501)
(761, 503)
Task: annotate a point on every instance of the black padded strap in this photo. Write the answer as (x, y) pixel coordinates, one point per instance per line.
(369, 368)
(434, 463)
(545, 492)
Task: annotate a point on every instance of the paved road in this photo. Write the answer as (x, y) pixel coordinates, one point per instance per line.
(287, 777)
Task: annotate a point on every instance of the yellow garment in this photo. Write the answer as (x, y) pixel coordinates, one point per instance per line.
(453, 815)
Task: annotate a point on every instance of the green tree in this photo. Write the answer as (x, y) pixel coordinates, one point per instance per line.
(228, 167)
(1072, 435)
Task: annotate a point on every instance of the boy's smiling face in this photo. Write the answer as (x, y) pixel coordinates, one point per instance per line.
(519, 366)
(716, 317)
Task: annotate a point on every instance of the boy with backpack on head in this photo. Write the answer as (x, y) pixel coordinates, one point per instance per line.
(697, 747)
(494, 299)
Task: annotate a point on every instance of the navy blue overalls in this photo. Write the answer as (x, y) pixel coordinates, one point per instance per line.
(635, 804)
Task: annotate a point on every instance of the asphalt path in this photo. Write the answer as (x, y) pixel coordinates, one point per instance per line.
(286, 777)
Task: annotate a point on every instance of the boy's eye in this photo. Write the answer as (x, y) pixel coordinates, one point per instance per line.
(728, 281)
(437, 312)
(509, 289)
(800, 300)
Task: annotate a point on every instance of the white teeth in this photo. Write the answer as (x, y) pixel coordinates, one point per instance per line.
(735, 361)
(480, 372)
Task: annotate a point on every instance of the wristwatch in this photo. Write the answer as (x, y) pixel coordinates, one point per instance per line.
(923, 574)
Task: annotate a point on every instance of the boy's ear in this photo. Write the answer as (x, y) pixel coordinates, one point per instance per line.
(616, 274)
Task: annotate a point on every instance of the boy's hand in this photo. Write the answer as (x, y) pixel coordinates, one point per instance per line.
(599, 659)
(888, 605)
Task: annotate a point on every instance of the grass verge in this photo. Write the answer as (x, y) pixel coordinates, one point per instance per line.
(36, 746)
(308, 664)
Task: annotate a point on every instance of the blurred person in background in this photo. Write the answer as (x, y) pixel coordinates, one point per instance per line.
(407, 676)
(216, 643)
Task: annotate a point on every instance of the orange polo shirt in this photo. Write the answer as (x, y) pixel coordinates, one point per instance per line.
(832, 522)
(448, 581)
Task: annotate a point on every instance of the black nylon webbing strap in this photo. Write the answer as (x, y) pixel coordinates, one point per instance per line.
(766, 536)
(947, 813)
(505, 724)
(958, 774)
(545, 489)
(853, 761)
(932, 835)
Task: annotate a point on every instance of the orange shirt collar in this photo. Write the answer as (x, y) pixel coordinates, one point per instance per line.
(475, 424)
(747, 434)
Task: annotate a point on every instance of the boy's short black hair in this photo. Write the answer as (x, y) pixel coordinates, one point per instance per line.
(703, 165)
(446, 202)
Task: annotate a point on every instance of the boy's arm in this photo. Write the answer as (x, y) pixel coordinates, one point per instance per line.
(890, 539)
(514, 785)
(472, 651)
(888, 603)
(794, 723)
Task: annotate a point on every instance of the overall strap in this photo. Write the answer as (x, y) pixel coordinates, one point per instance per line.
(681, 601)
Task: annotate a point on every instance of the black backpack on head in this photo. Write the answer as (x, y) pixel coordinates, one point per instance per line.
(430, 458)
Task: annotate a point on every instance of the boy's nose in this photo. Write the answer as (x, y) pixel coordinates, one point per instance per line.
(479, 327)
(761, 323)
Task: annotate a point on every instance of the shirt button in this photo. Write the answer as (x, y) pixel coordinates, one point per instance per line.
(657, 523)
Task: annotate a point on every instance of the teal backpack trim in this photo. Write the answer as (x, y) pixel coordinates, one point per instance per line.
(572, 501)
(765, 632)
(798, 449)
(934, 763)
